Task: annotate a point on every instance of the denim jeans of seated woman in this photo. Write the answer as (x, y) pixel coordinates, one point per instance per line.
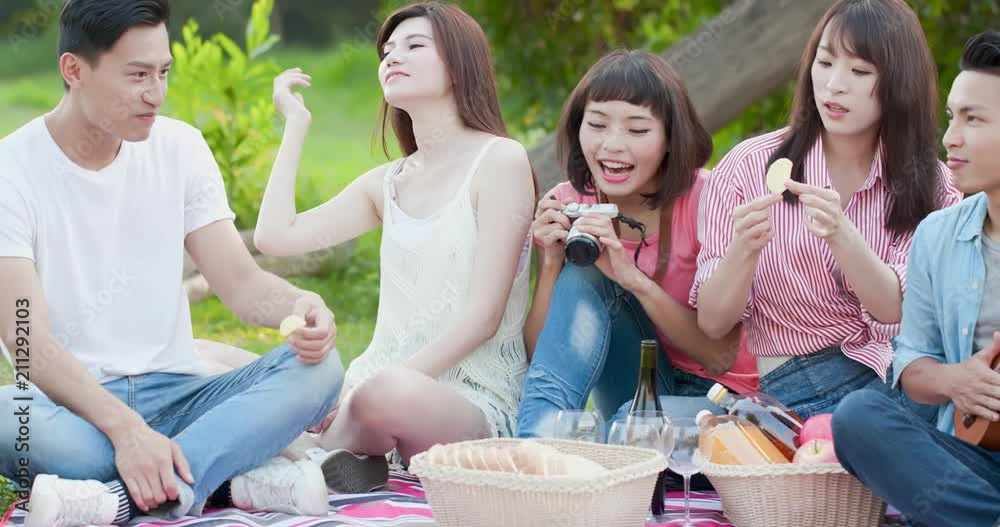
(815, 384)
(590, 343)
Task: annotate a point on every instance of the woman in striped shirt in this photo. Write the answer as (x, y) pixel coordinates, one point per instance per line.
(817, 274)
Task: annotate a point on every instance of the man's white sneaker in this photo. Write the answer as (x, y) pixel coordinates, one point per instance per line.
(281, 485)
(70, 503)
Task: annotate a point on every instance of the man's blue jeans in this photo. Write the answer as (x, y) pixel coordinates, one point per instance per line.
(225, 425)
(590, 342)
(933, 478)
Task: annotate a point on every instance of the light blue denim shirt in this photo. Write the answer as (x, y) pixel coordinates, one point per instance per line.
(946, 273)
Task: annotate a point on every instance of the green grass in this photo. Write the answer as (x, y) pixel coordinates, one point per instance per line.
(6, 373)
(351, 292)
(343, 100)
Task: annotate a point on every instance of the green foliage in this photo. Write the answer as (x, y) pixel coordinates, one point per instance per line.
(225, 91)
(343, 101)
(28, 49)
(948, 25)
(7, 496)
(543, 47)
(350, 291)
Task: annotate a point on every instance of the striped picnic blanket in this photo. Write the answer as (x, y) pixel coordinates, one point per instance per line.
(401, 504)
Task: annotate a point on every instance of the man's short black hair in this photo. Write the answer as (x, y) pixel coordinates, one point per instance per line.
(89, 28)
(982, 53)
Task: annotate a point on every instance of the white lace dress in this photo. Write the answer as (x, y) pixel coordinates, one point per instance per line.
(426, 271)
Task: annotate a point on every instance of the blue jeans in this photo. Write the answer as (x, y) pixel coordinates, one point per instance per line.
(225, 425)
(590, 342)
(815, 384)
(933, 478)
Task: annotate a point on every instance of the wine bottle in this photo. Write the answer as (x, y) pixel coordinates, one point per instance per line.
(736, 441)
(645, 392)
(646, 399)
(780, 424)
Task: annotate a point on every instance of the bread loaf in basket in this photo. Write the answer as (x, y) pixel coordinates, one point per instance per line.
(615, 493)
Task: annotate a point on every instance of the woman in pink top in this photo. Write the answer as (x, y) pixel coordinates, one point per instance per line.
(628, 136)
(817, 275)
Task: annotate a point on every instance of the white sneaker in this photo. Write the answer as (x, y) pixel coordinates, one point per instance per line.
(281, 485)
(70, 503)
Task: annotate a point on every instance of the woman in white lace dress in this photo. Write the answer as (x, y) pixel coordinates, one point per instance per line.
(447, 360)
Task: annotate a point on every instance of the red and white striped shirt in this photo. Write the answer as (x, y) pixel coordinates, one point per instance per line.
(800, 302)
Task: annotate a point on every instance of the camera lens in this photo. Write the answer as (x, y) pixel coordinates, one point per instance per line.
(582, 250)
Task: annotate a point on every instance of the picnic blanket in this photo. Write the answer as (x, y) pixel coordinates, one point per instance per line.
(401, 504)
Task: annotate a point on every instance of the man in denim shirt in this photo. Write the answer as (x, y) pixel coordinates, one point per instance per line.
(949, 331)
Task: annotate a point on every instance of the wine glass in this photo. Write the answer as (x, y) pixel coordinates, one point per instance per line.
(645, 429)
(641, 431)
(579, 425)
(688, 457)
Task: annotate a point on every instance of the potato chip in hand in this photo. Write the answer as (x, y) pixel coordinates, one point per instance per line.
(778, 174)
(290, 324)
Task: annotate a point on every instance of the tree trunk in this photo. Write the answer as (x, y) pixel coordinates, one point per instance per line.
(736, 59)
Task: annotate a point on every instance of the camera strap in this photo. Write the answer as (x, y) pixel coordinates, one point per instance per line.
(638, 225)
(635, 224)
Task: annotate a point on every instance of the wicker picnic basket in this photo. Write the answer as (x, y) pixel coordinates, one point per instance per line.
(819, 495)
(461, 497)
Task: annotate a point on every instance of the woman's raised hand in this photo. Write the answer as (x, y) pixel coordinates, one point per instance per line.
(291, 104)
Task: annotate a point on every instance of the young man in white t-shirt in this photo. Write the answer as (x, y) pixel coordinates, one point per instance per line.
(98, 200)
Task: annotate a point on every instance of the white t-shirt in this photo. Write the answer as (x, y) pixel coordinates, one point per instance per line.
(108, 246)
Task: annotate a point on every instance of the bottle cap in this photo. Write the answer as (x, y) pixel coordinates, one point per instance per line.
(703, 416)
(716, 393)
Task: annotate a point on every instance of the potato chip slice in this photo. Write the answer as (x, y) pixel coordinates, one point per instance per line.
(778, 174)
(290, 324)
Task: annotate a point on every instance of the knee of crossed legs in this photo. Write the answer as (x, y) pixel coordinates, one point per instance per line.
(377, 400)
(322, 381)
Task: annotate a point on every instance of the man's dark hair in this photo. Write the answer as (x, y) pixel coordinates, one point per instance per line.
(982, 53)
(89, 28)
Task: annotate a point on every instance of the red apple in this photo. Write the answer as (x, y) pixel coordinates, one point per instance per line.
(817, 427)
(816, 451)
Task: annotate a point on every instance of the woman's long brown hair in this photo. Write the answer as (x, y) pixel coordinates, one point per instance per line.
(466, 54)
(887, 34)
